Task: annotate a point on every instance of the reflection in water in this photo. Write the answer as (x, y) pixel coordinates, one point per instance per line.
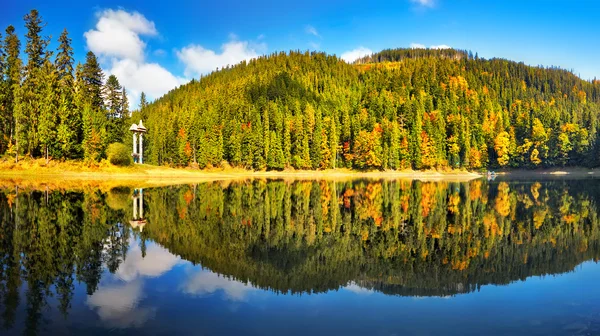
(204, 283)
(117, 305)
(364, 237)
(157, 260)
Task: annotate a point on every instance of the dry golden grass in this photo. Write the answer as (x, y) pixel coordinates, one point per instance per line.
(77, 175)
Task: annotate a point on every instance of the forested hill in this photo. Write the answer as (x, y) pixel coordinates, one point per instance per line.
(402, 108)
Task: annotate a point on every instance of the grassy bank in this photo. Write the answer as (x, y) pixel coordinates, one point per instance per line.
(104, 171)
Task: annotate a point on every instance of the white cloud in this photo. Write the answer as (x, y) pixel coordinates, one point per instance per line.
(116, 40)
(310, 30)
(117, 34)
(157, 262)
(353, 55)
(204, 283)
(424, 3)
(150, 78)
(422, 46)
(199, 60)
(117, 305)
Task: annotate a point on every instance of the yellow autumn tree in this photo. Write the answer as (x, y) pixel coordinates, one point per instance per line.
(535, 159)
(501, 146)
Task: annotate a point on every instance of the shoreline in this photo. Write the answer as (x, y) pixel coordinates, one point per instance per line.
(37, 170)
(75, 172)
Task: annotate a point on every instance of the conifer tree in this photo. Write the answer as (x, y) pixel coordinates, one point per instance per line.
(125, 105)
(92, 107)
(4, 119)
(114, 110)
(275, 158)
(93, 79)
(31, 96)
(48, 108)
(69, 121)
(12, 75)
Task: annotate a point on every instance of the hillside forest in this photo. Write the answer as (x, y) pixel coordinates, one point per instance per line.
(396, 109)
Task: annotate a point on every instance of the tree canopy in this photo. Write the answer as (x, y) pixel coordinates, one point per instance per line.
(400, 108)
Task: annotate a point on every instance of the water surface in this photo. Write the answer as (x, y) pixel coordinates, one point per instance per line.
(303, 257)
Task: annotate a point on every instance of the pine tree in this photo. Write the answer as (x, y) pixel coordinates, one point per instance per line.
(93, 79)
(114, 110)
(36, 44)
(30, 95)
(69, 124)
(4, 120)
(47, 117)
(394, 158)
(333, 142)
(92, 107)
(287, 141)
(275, 158)
(113, 97)
(125, 105)
(143, 106)
(316, 141)
(12, 75)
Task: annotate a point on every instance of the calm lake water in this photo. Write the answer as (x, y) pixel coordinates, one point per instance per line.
(298, 258)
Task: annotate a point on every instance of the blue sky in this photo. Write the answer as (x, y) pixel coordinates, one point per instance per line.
(153, 46)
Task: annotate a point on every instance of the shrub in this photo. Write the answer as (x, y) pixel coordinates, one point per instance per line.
(118, 154)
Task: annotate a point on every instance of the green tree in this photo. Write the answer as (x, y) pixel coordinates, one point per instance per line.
(13, 76)
(49, 107)
(91, 103)
(115, 124)
(69, 117)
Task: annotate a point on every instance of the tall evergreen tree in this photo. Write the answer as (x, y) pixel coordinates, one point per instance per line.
(143, 106)
(5, 120)
(92, 104)
(49, 106)
(31, 95)
(69, 123)
(114, 110)
(125, 105)
(93, 80)
(13, 76)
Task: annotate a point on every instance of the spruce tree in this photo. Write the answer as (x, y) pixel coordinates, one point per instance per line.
(143, 105)
(48, 108)
(31, 95)
(93, 80)
(275, 159)
(13, 76)
(92, 107)
(5, 120)
(114, 110)
(69, 121)
(124, 105)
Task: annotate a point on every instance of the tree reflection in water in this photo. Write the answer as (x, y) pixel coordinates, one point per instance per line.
(395, 237)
